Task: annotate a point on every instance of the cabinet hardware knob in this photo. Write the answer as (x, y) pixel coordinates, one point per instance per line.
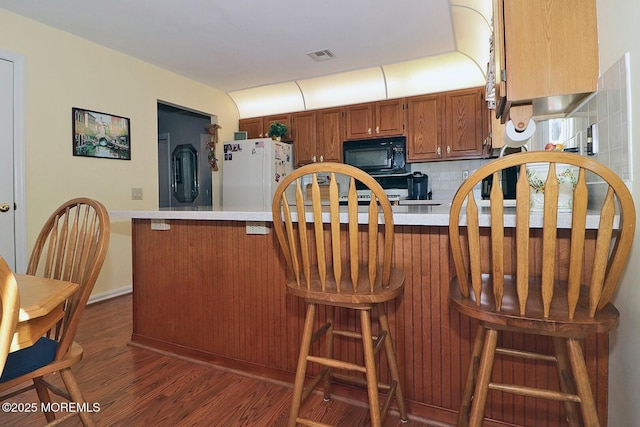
(369, 131)
(4, 207)
(439, 152)
(448, 149)
(377, 129)
(321, 158)
(313, 159)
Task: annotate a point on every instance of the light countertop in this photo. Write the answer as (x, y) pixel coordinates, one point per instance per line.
(427, 215)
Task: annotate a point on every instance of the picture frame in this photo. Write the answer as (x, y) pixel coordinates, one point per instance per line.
(102, 135)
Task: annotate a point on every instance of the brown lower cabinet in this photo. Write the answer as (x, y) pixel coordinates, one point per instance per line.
(207, 290)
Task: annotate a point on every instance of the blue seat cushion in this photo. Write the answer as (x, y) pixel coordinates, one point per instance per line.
(29, 359)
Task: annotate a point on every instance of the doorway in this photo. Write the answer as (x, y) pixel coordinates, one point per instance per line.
(184, 174)
(13, 229)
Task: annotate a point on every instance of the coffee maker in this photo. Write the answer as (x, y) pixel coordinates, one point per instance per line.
(508, 177)
(417, 185)
(508, 180)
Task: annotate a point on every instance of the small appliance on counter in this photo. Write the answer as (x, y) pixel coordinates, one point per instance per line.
(417, 184)
(508, 181)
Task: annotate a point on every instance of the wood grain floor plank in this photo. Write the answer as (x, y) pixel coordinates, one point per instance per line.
(138, 387)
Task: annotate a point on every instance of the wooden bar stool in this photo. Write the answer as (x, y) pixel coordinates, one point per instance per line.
(359, 279)
(544, 289)
(9, 309)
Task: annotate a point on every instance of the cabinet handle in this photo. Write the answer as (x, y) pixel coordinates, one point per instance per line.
(369, 131)
(439, 152)
(448, 149)
(377, 129)
(313, 159)
(321, 158)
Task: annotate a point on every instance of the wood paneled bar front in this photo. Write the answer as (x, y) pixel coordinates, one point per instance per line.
(205, 289)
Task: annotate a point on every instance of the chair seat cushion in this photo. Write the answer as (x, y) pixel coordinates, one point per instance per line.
(29, 359)
(509, 318)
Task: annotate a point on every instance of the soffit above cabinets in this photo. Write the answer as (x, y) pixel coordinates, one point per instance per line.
(464, 67)
(258, 54)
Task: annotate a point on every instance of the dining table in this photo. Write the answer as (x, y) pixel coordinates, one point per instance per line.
(42, 304)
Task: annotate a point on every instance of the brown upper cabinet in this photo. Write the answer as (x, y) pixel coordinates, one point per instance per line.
(318, 136)
(465, 123)
(441, 126)
(446, 126)
(424, 129)
(254, 127)
(258, 127)
(375, 119)
(305, 137)
(544, 50)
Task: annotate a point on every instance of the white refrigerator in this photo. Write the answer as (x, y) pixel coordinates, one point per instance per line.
(252, 169)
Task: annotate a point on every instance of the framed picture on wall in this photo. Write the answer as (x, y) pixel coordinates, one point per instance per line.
(102, 135)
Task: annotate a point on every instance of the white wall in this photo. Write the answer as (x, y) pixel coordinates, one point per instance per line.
(64, 71)
(618, 32)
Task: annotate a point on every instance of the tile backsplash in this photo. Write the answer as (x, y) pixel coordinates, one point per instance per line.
(608, 108)
(446, 177)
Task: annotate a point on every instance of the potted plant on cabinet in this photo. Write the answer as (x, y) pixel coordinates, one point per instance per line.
(277, 130)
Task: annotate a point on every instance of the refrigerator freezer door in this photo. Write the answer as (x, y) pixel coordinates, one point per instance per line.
(243, 175)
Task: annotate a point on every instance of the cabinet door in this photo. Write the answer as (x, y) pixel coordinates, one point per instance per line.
(253, 127)
(331, 135)
(423, 127)
(389, 117)
(464, 123)
(285, 119)
(359, 121)
(551, 50)
(305, 137)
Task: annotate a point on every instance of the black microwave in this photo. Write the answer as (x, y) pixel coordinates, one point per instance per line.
(377, 156)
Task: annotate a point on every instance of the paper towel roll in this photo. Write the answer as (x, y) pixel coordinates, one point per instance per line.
(515, 138)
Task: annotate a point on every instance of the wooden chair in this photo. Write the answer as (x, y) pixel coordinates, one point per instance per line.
(71, 246)
(331, 266)
(543, 289)
(9, 309)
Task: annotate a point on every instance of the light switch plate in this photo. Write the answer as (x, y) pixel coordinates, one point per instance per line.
(136, 194)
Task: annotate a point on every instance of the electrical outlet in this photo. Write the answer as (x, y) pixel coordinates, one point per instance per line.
(160, 224)
(136, 194)
(257, 227)
(465, 174)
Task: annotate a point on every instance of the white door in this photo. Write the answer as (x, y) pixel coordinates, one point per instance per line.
(13, 227)
(7, 212)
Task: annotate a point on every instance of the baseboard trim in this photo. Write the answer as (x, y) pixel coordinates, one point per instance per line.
(110, 294)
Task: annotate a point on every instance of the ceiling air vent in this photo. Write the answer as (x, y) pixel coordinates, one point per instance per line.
(321, 55)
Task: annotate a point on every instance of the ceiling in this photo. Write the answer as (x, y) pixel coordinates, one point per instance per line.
(242, 46)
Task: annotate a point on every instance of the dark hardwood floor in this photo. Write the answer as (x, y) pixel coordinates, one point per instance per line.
(138, 387)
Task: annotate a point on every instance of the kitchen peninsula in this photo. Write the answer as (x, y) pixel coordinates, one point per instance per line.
(205, 289)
